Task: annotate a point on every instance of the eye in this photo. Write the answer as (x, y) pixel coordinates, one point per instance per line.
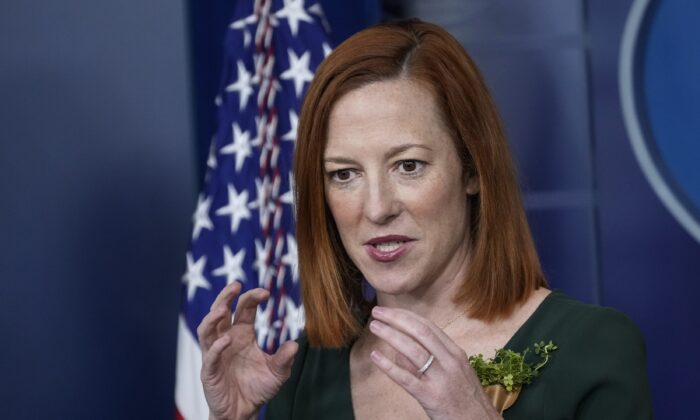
(411, 166)
(342, 175)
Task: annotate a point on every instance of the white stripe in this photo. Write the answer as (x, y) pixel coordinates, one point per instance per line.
(634, 130)
(189, 395)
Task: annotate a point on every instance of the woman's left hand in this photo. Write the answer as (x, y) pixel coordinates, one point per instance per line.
(449, 387)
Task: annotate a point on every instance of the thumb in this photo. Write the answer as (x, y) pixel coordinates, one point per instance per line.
(281, 362)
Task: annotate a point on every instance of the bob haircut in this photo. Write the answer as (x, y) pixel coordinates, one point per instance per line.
(504, 267)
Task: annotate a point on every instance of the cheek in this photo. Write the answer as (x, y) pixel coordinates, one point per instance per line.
(443, 206)
(343, 210)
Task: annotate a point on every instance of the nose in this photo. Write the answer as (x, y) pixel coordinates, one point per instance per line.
(380, 203)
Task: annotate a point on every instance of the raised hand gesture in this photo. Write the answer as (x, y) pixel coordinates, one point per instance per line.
(238, 377)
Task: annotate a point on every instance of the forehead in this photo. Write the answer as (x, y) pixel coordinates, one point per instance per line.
(384, 113)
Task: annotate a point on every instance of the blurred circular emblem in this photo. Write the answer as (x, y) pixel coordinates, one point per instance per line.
(660, 94)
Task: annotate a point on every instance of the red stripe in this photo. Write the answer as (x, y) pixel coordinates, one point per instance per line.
(178, 416)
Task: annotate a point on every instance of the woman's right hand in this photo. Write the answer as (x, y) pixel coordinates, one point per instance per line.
(238, 377)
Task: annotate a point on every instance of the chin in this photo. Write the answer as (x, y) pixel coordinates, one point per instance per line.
(391, 285)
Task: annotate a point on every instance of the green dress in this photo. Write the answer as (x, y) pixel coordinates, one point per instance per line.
(598, 372)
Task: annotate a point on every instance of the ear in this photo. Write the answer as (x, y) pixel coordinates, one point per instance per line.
(473, 185)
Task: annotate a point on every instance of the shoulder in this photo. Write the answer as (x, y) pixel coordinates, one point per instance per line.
(579, 327)
(592, 326)
(600, 366)
(595, 342)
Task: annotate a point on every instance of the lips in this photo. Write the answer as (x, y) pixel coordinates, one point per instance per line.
(388, 248)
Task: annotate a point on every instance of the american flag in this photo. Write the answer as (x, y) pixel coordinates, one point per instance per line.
(243, 226)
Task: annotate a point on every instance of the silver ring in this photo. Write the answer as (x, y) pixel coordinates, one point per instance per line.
(426, 365)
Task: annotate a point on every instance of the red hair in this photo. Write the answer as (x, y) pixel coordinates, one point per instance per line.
(504, 267)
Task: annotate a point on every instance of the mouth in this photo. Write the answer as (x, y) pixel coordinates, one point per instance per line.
(388, 248)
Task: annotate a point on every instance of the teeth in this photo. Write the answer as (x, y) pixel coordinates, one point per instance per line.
(388, 246)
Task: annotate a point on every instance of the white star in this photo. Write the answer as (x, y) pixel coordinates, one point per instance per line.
(200, 218)
(318, 10)
(242, 23)
(276, 182)
(194, 276)
(288, 197)
(211, 160)
(247, 37)
(260, 265)
(240, 146)
(294, 12)
(291, 258)
(233, 266)
(243, 85)
(294, 124)
(294, 318)
(327, 50)
(298, 70)
(236, 208)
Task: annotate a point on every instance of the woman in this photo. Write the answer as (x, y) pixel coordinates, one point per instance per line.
(404, 180)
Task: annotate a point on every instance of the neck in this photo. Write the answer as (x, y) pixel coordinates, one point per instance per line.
(438, 309)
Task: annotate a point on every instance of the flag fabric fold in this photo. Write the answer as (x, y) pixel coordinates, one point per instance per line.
(243, 224)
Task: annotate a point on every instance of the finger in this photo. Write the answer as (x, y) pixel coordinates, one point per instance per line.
(414, 353)
(208, 331)
(281, 362)
(247, 306)
(224, 300)
(424, 331)
(227, 295)
(211, 359)
(399, 375)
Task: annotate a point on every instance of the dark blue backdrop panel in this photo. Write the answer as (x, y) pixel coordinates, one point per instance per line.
(542, 97)
(493, 21)
(207, 23)
(566, 243)
(97, 186)
(649, 263)
(348, 17)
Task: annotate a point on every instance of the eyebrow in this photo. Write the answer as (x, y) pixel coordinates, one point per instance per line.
(389, 154)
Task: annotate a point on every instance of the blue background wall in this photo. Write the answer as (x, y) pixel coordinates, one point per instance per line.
(105, 118)
(97, 188)
(650, 266)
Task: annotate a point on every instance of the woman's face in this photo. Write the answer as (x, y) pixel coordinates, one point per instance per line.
(396, 189)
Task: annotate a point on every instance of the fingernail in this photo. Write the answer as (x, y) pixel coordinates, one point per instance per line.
(378, 310)
(374, 326)
(374, 355)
